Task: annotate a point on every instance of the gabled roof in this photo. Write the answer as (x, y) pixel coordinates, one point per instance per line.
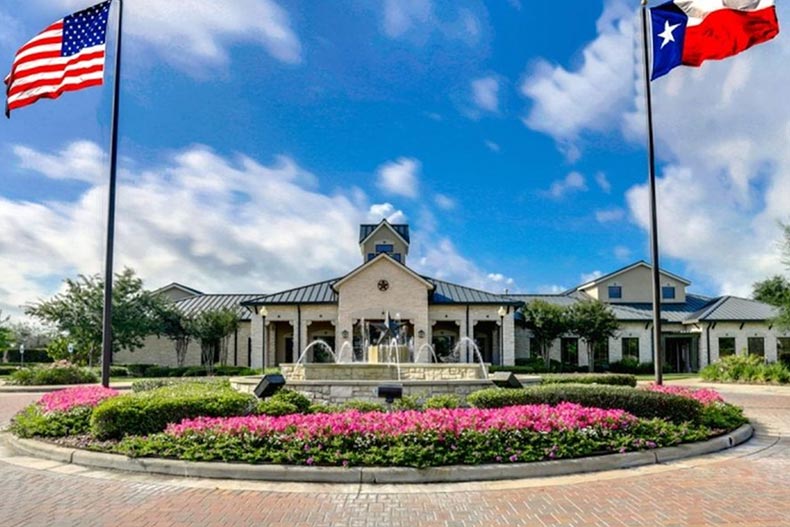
(449, 293)
(367, 230)
(180, 287)
(640, 263)
(733, 308)
(378, 258)
(317, 293)
(563, 300)
(198, 304)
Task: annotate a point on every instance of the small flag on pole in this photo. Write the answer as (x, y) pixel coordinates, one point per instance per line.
(689, 32)
(66, 56)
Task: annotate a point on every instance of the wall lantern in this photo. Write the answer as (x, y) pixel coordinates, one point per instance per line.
(344, 333)
(502, 311)
(421, 334)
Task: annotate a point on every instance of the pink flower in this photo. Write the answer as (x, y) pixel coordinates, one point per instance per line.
(705, 396)
(64, 400)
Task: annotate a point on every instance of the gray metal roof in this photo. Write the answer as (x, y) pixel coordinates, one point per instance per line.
(198, 304)
(366, 230)
(449, 293)
(318, 293)
(735, 308)
(557, 300)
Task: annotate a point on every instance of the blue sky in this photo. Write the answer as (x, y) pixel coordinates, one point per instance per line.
(257, 134)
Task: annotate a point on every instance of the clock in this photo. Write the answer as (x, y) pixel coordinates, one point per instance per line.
(383, 285)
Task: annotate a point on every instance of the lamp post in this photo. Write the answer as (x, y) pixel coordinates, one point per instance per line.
(264, 312)
(502, 312)
(22, 354)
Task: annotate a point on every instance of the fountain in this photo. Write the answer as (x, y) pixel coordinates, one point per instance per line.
(387, 355)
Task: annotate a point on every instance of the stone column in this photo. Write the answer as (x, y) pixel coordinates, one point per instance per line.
(509, 340)
(256, 336)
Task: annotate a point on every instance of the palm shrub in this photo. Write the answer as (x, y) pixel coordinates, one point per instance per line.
(746, 368)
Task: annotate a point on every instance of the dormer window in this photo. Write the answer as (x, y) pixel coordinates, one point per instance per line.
(668, 292)
(385, 248)
(615, 291)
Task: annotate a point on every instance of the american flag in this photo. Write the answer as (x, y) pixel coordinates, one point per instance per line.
(68, 55)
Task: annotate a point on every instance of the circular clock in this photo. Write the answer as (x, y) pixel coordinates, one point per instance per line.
(383, 285)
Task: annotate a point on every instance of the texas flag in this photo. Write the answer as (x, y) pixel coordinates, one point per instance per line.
(689, 32)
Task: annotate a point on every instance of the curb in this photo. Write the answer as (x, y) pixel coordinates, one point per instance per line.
(380, 475)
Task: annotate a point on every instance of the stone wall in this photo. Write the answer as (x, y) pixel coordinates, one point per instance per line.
(381, 372)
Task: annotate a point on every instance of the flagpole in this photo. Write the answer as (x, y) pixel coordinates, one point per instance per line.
(657, 348)
(108, 263)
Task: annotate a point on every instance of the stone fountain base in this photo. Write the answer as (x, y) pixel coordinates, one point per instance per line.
(338, 383)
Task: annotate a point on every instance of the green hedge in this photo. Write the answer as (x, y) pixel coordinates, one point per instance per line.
(32, 422)
(612, 379)
(746, 368)
(640, 403)
(143, 413)
(53, 374)
(144, 385)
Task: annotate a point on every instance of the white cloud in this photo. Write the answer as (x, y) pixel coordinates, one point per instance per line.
(79, 161)
(589, 277)
(494, 147)
(592, 96)
(211, 222)
(603, 182)
(609, 215)
(184, 31)
(485, 94)
(573, 182)
(400, 177)
(444, 202)
(622, 253)
(400, 16)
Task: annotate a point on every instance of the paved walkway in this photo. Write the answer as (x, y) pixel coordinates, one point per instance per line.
(747, 486)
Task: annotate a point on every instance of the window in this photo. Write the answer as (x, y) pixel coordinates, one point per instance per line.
(783, 350)
(756, 346)
(371, 256)
(397, 257)
(385, 248)
(668, 292)
(601, 355)
(726, 346)
(534, 347)
(569, 351)
(631, 348)
(615, 291)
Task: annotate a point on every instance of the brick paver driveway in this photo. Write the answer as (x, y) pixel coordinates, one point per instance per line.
(748, 486)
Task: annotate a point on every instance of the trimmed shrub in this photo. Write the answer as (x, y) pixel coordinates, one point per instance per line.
(233, 371)
(407, 402)
(612, 379)
(301, 402)
(148, 412)
(275, 407)
(60, 372)
(145, 385)
(363, 406)
(722, 416)
(448, 400)
(641, 403)
(138, 370)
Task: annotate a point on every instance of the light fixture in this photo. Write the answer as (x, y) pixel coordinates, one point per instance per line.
(264, 312)
(390, 392)
(269, 385)
(421, 334)
(344, 333)
(502, 311)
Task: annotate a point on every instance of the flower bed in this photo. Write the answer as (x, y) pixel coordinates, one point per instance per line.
(413, 438)
(61, 413)
(705, 396)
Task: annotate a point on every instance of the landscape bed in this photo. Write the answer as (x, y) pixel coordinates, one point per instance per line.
(211, 422)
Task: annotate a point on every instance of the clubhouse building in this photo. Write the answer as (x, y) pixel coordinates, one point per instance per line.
(354, 311)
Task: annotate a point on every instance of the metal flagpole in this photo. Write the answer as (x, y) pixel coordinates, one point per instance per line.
(108, 270)
(657, 348)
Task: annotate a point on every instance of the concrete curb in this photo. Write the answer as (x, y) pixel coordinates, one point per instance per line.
(382, 475)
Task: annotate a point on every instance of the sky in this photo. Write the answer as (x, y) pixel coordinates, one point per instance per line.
(256, 135)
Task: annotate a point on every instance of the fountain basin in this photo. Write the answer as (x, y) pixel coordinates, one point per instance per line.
(382, 372)
(341, 391)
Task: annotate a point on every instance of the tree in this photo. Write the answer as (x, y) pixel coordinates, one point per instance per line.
(176, 326)
(546, 322)
(6, 335)
(593, 321)
(212, 329)
(774, 290)
(77, 312)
